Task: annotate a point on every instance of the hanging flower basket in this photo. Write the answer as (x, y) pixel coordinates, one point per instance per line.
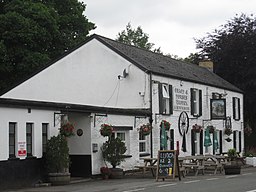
(166, 124)
(106, 130)
(67, 129)
(211, 128)
(228, 131)
(145, 129)
(197, 128)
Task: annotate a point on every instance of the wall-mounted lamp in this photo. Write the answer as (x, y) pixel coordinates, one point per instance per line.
(181, 83)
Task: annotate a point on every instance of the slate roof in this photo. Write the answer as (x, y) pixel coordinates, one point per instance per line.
(165, 66)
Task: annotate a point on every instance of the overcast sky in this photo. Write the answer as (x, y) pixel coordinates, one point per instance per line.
(170, 24)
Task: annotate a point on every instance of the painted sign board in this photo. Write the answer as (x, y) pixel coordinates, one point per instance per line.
(181, 99)
(22, 148)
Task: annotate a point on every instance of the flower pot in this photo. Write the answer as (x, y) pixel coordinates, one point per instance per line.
(59, 178)
(116, 173)
(232, 169)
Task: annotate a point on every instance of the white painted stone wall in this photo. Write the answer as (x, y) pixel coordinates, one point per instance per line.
(21, 117)
(132, 140)
(206, 96)
(80, 145)
(88, 76)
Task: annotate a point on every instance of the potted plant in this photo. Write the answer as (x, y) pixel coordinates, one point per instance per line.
(166, 124)
(57, 160)
(233, 167)
(113, 152)
(197, 128)
(145, 129)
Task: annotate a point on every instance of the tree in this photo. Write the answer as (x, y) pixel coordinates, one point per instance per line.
(34, 32)
(137, 38)
(232, 49)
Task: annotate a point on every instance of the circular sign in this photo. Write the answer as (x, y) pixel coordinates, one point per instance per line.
(183, 123)
(79, 132)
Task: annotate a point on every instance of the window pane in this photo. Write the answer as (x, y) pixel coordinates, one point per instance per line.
(29, 149)
(11, 127)
(29, 140)
(142, 137)
(11, 140)
(121, 136)
(165, 91)
(142, 147)
(11, 150)
(29, 128)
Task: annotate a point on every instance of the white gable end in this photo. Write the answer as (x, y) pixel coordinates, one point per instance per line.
(87, 76)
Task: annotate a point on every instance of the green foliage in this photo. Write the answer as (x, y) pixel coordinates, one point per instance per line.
(34, 32)
(137, 38)
(57, 154)
(113, 151)
(232, 48)
(232, 154)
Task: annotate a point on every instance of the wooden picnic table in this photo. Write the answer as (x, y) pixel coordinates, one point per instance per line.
(149, 164)
(194, 163)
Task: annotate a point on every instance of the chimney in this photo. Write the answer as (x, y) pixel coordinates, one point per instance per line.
(206, 64)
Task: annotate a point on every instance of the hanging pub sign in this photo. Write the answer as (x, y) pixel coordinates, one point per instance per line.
(166, 164)
(181, 100)
(22, 148)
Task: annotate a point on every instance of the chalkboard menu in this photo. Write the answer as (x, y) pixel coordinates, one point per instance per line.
(166, 164)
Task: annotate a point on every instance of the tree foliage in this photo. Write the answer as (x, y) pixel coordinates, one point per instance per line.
(137, 38)
(35, 32)
(232, 48)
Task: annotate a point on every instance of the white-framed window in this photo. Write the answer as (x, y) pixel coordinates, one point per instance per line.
(12, 139)
(165, 99)
(236, 108)
(29, 138)
(142, 143)
(123, 136)
(196, 102)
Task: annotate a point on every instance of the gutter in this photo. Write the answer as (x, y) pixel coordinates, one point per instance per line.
(151, 113)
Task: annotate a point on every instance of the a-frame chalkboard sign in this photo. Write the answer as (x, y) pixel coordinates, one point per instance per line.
(167, 163)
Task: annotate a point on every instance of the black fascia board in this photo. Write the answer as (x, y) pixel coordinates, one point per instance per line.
(71, 107)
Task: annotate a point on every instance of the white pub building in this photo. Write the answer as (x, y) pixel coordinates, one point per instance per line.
(104, 81)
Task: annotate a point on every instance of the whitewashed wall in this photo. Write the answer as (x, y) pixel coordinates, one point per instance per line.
(80, 145)
(21, 117)
(132, 140)
(206, 96)
(88, 76)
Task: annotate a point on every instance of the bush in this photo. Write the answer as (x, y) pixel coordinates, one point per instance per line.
(57, 154)
(113, 151)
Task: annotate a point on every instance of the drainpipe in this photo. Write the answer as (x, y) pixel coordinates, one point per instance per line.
(151, 113)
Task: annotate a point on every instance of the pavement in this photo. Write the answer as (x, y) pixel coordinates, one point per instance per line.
(130, 178)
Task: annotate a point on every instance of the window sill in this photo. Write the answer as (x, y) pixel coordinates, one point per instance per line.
(144, 154)
(13, 158)
(127, 156)
(31, 157)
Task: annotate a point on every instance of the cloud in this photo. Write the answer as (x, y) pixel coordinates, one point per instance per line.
(170, 24)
